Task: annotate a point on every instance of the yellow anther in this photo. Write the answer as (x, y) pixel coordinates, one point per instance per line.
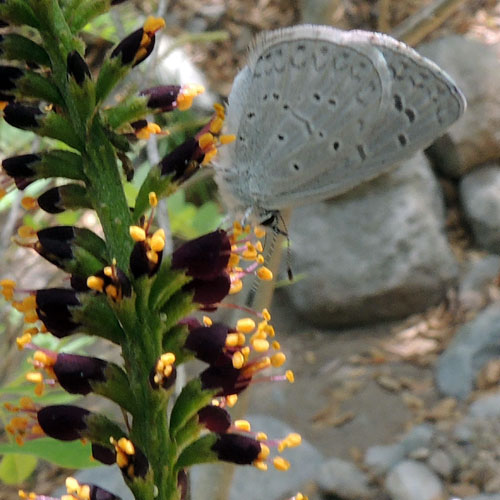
(237, 228)
(231, 400)
(241, 339)
(281, 464)
(232, 340)
(264, 451)
(236, 287)
(260, 465)
(247, 229)
(234, 260)
(261, 436)
(34, 377)
(85, 492)
(278, 359)
(26, 403)
(293, 439)
(259, 247)
(137, 233)
(108, 270)
(290, 376)
(300, 496)
(29, 302)
(152, 256)
(23, 340)
(29, 203)
(276, 345)
(8, 293)
(205, 140)
(245, 325)
(26, 232)
(264, 273)
(126, 446)
(111, 291)
(121, 459)
(227, 138)
(207, 321)
(259, 231)
(31, 331)
(95, 283)
(31, 317)
(243, 425)
(153, 199)
(238, 360)
(72, 485)
(184, 101)
(7, 283)
(219, 109)
(260, 259)
(157, 243)
(209, 155)
(260, 345)
(22, 494)
(245, 351)
(153, 24)
(270, 331)
(249, 254)
(168, 358)
(216, 125)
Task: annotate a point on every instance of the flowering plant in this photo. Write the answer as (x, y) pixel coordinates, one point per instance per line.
(124, 288)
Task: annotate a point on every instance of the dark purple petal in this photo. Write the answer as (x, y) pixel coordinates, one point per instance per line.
(51, 201)
(54, 243)
(53, 309)
(214, 418)
(162, 97)
(104, 454)
(63, 422)
(75, 372)
(227, 379)
(207, 342)
(140, 265)
(208, 292)
(8, 77)
(183, 161)
(77, 67)
(237, 449)
(21, 116)
(98, 493)
(205, 257)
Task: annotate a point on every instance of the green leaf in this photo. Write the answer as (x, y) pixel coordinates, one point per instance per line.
(72, 455)
(15, 468)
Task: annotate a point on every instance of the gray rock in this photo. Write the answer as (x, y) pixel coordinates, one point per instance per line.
(252, 484)
(476, 343)
(487, 406)
(343, 479)
(477, 132)
(480, 196)
(411, 480)
(483, 497)
(381, 458)
(375, 254)
(473, 285)
(108, 477)
(441, 463)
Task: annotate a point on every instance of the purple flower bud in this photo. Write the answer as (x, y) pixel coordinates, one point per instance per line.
(98, 493)
(77, 67)
(18, 167)
(63, 422)
(237, 449)
(21, 116)
(75, 373)
(8, 77)
(51, 201)
(54, 310)
(140, 261)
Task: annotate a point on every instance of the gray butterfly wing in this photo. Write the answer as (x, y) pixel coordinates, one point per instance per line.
(306, 92)
(424, 102)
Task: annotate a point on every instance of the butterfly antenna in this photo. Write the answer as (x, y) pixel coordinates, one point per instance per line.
(284, 233)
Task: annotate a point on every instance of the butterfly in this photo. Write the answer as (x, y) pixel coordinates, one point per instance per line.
(317, 111)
